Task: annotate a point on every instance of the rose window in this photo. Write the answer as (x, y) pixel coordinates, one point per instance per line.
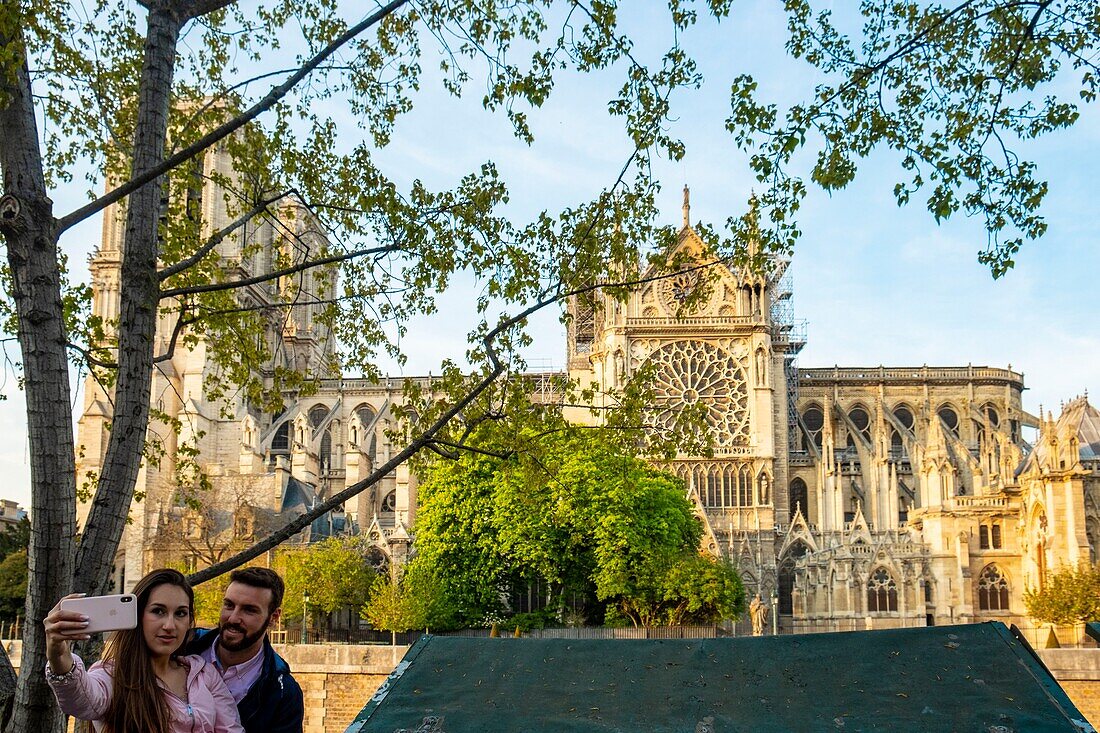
(693, 373)
(679, 287)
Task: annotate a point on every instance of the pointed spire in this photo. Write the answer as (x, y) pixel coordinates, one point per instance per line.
(687, 207)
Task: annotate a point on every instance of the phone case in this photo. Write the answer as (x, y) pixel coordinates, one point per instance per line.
(105, 613)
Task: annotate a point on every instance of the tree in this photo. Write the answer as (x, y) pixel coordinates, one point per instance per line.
(140, 106)
(414, 597)
(387, 609)
(426, 600)
(334, 572)
(684, 589)
(13, 584)
(14, 541)
(206, 526)
(577, 512)
(15, 537)
(1069, 596)
(954, 89)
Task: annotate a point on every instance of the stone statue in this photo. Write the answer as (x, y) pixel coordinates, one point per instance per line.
(758, 612)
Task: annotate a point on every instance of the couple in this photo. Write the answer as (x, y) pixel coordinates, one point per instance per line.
(156, 679)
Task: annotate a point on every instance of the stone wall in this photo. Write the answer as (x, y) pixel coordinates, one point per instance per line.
(1078, 672)
(338, 679)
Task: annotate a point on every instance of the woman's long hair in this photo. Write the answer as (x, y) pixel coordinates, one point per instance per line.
(137, 704)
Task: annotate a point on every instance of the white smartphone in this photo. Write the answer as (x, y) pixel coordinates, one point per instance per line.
(105, 613)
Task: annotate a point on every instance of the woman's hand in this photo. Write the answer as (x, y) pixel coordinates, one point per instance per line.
(63, 628)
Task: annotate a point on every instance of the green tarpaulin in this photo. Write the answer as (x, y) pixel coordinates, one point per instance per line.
(978, 678)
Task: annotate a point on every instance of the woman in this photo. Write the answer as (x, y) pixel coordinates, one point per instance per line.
(142, 685)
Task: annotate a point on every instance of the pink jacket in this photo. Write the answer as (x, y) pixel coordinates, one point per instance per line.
(210, 707)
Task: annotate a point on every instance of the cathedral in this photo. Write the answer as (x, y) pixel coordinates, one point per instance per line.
(848, 497)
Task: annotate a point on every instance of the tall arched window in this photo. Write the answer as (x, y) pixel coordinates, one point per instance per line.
(786, 577)
(992, 590)
(903, 415)
(366, 415)
(882, 592)
(950, 418)
(326, 451)
(714, 498)
(317, 415)
(814, 420)
(862, 421)
(281, 441)
(729, 485)
(1092, 532)
(744, 486)
(799, 497)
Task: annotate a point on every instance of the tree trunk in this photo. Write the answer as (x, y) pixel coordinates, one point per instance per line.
(29, 230)
(137, 313)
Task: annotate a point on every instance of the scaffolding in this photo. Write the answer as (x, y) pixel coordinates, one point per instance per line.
(790, 333)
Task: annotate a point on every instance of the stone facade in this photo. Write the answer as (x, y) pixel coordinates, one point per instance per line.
(854, 497)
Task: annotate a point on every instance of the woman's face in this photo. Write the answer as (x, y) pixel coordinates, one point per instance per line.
(166, 619)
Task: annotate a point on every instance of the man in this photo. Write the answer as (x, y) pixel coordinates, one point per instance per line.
(268, 698)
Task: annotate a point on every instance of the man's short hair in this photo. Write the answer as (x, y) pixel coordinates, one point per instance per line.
(261, 578)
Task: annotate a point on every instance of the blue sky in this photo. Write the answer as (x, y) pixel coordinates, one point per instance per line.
(877, 284)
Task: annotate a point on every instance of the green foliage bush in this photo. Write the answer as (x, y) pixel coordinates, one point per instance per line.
(532, 620)
(1069, 596)
(577, 513)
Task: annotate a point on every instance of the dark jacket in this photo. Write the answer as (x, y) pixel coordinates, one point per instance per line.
(274, 703)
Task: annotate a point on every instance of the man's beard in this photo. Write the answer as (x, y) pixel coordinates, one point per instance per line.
(246, 640)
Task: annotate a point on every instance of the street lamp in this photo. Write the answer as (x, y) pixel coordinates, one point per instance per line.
(305, 613)
(775, 613)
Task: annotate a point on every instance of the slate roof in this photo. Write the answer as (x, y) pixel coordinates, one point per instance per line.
(297, 495)
(978, 677)
(1079, 419)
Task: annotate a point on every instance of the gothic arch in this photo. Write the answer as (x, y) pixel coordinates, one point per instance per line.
(1092, 527)
(317, 415)
(1037, 535)
(366, 414)
(798, 497)
(992, 589)
(761, 363)
(905, 415)
(949, 414)
(378, 557)
(280, 441)
(325, 450)
(785, 580)
(813, 417)
(882, 591)
(763, 488)
(860, 415)
(744, 485)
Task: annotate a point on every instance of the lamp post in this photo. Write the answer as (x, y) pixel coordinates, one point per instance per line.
(775, 613)
(305, 614)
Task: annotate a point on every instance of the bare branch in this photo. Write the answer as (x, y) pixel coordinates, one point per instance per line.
(276, 274)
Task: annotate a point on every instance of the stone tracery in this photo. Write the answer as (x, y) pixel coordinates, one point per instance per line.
(698, 373)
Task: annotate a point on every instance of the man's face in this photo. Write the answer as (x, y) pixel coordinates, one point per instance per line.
(245, 616)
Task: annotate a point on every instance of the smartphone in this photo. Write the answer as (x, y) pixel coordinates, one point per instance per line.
(105, 613)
